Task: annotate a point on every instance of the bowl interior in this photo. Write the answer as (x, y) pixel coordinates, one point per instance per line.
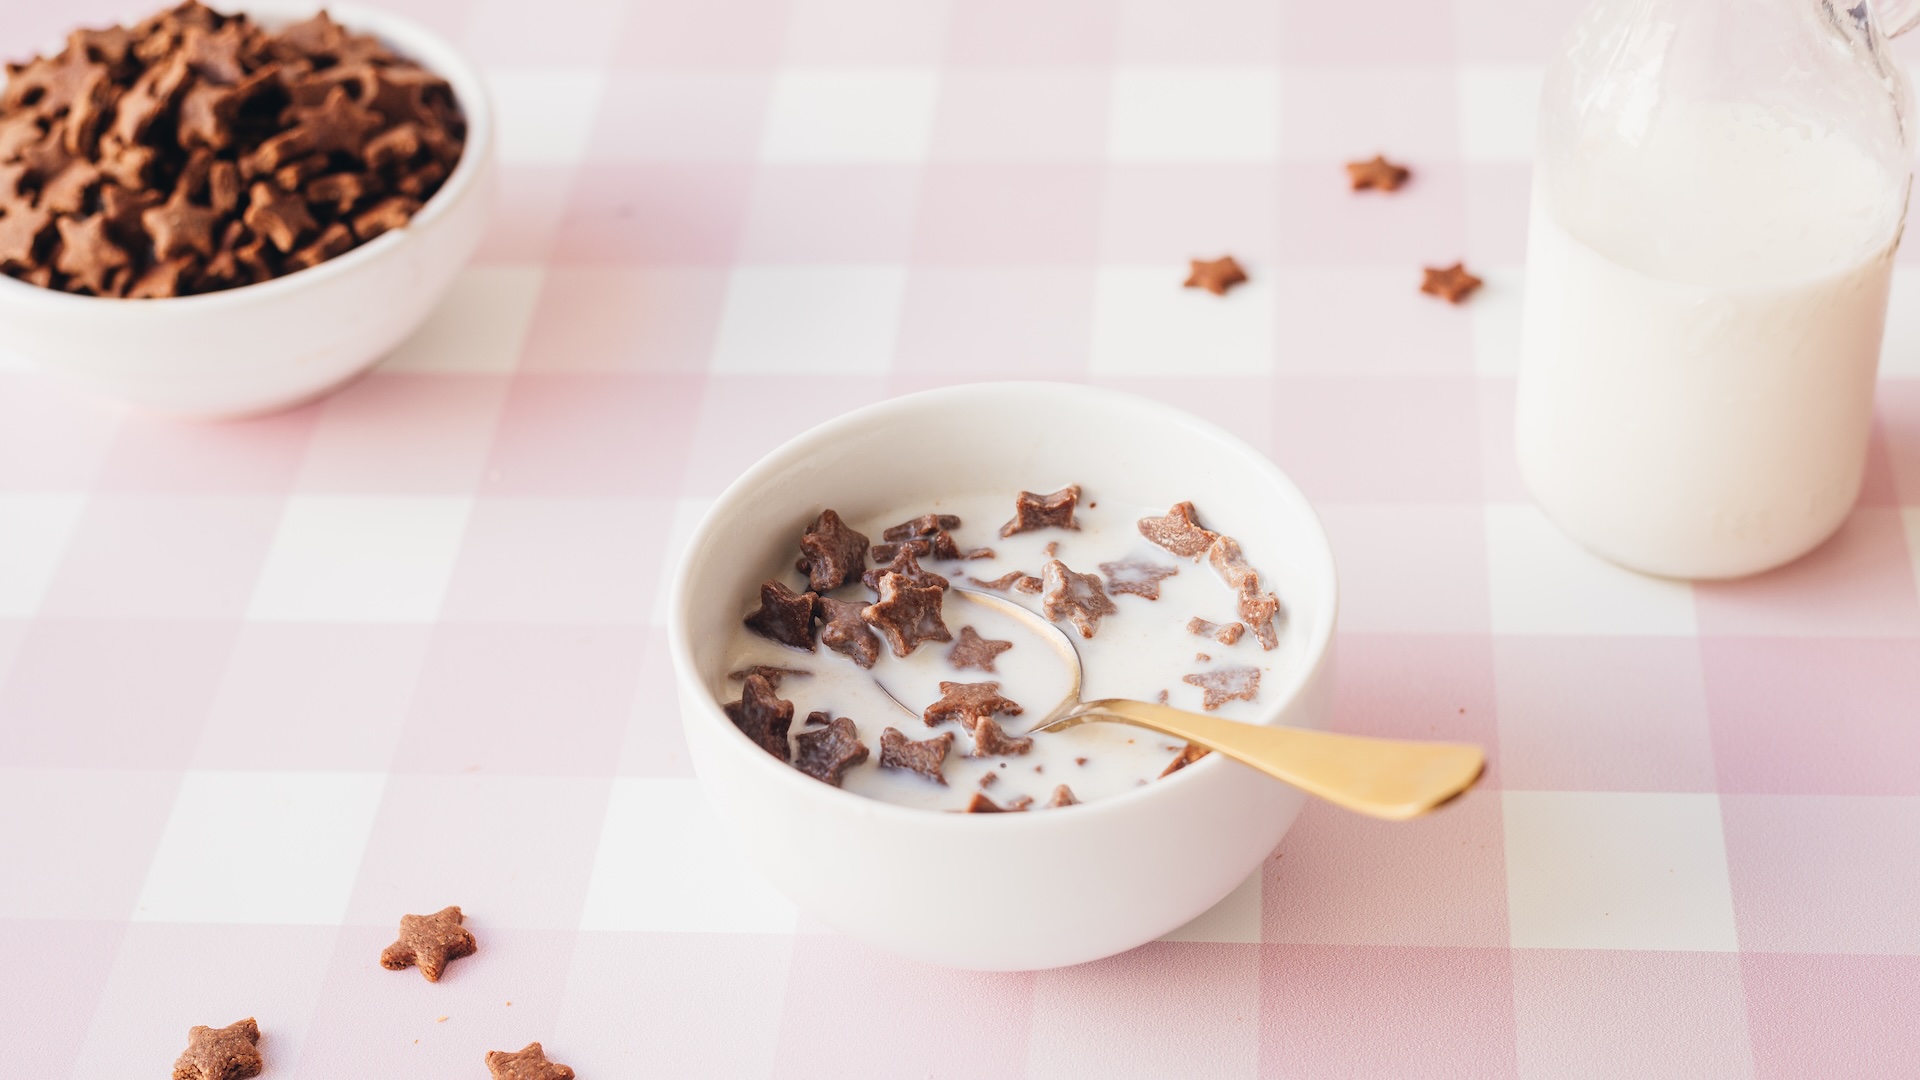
(1006, 437)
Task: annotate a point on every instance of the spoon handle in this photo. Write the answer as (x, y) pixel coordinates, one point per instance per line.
(1394, 779)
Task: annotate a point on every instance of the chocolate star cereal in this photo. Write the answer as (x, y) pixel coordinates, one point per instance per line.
(762, 716)
(1137, 577)
(1062, 796)
(784, 616)
(1068, 595)
(846, 632)
(969, 703)
(1259, 610)
(1451, 283)
(1187, 756)
(773, 675)
(1225, 635)
(974, 651)
(832, 553)
(225, 124)
(926, 536)
(1031, 511)
(1019, 803)
(991, 740)
(907, 614)
(226, 1053)
(1178, 532)
(530, 1063)
(1229, 561)
(922, 756)
(1026, 583)
(828, 748)
(1222, 685)
(1216, 277)
(430, 942)
(906, 563)
(1378, 173)
(980, 804)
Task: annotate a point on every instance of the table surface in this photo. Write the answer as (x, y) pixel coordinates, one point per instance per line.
(265, 686)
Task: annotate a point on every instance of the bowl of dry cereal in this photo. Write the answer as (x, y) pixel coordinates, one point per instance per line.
(212, 213)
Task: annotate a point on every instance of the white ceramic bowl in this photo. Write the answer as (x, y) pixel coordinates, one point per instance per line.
(1006, 891)
(276, 343)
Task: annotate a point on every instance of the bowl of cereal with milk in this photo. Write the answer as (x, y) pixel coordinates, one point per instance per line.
(853, 633)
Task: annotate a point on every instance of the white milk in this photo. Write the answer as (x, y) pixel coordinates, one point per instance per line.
(1140, 650)
(1703, 322)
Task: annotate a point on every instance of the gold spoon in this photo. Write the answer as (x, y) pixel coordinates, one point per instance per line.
(1395, 779)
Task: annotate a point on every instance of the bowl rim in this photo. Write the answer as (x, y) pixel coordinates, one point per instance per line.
(417, 43)
(679, 637)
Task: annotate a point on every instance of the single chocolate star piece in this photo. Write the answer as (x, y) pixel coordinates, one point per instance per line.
(1230, 562)
(207, 112)
(531, 1062)
(161, 280)
(338, 125)
(429, 942)
(52, 86)
(1259, 611)
(215, 56)
(66, 192)
(1216, 277)
(226, 1053)
(277, 215)
(969, 703)
(1062, 796)
(988, 779)
(773, 675)
(922, 756)
(926, 535)
(834, 553)
(333, 240)
(150, 97)
(384, 216)
(1137, 577)
(762, 716)
(1019, 803)
(1026, 583)
(87, 255)
(980, 804)
(784, 615)
(846, 632)
(992, 740)
(907, 614)
(1379, 173)
(1187, 756)
(1068, 595)
(1222, 685)
(1031, 511)
(1178, 531)
(179, 227)
(1452, 283)
(974, 651)
(1225, 635)
(827, 752)
(905, 563)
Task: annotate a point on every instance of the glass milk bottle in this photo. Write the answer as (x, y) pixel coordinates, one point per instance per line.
(1719, 188)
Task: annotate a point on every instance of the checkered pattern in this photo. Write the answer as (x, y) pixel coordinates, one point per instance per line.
(266, 686)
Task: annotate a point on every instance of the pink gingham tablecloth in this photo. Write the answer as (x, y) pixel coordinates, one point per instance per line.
(265, 686)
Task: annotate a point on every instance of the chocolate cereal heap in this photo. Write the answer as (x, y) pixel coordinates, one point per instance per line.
(195, 152)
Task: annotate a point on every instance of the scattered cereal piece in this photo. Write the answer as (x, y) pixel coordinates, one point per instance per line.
(1026, 583)
(907, 564)
(1062, 796)
(773, 675)
(1162, 699)
(834, 553)
(1452, 283)
(1379, 174)
(1136, 577)
(1079, 761)
(784, 616)
(987, 780)
(226, 1053)
(429, 942)
(529, 1064)
(974, 651)
(1225, 635)
(1202, 657)
(1178, 532)
(846, 631)
(1186, 757)
(1068, 595)
(1259, 610)
(921, 527)
(925, 536)
(826, 753)
(907, 614)
(1229, 561)
(1222, 685)
(969, 703)
(1052, 549)
(922, 756)
(992, 740)
(762, 716)
(980, 804)
(1019, 803)
(1031, 511)
(1216, 276)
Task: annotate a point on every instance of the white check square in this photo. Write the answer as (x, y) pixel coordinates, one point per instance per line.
(1544, 583)
(35, 528)
(546, 115)
(1499, 110)
(1219, 114)
(1617, 870)
(480, 326)
(666, 865)
(1234, 920)
(810, 320)
(260, 847)
(850, 114)
(360, 558)
(1145, 324)
(1496, 312)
